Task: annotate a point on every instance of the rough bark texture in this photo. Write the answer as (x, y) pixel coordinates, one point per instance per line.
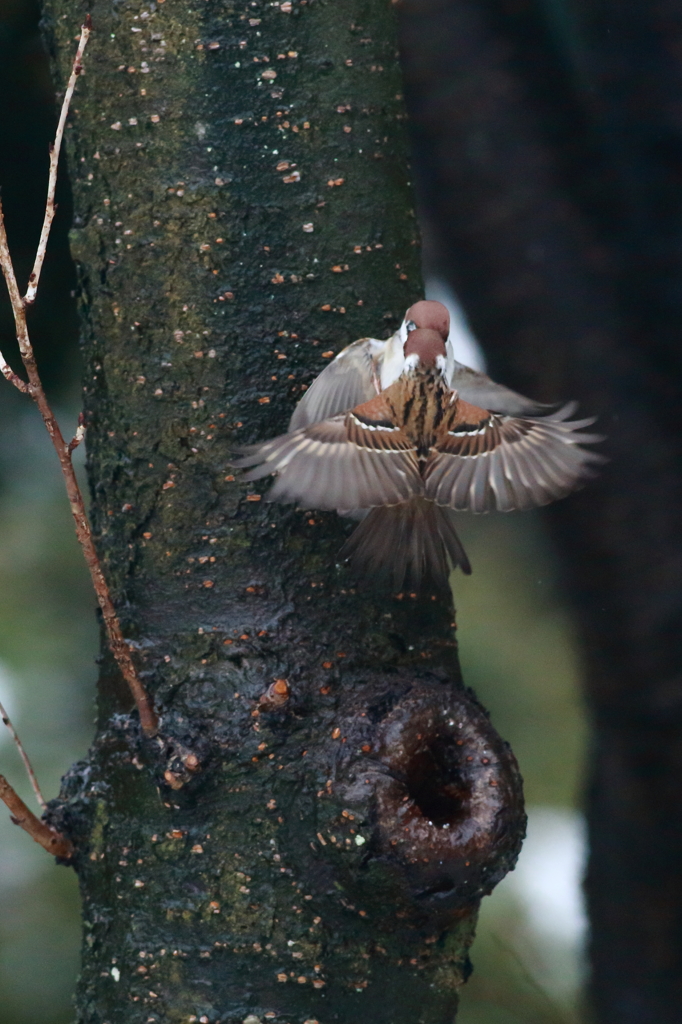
(312, 848)
(550, 157)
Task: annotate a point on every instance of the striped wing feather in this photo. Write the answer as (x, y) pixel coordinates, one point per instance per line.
(342, 385)
(485, 461)
(480, 390)
(359, 460)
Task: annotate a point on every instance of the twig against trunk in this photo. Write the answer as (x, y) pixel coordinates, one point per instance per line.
(48, 838)
(23, 755)
(55, 149)
(64, 450)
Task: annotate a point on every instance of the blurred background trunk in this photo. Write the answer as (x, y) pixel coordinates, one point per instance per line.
(548, 139)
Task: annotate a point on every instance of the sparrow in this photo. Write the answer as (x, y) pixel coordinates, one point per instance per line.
(368, 365)
(399, 434)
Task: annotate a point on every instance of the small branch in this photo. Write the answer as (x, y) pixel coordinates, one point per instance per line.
(117, 644)
(50, 840)
(24, 756)
(9, 374)
(50, 207)
(79, 435)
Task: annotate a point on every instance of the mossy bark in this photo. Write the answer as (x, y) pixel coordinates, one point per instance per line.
(314, 850)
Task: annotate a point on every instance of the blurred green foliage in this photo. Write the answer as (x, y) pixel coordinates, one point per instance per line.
(48, 640)
(519, 653)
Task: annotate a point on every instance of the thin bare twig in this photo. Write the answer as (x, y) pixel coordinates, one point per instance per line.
(34, 277)
(51, 840)
(79, 436)
(7, 372)
(117, 643)
(23, 755)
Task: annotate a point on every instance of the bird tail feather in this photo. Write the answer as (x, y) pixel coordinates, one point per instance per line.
(411, 545)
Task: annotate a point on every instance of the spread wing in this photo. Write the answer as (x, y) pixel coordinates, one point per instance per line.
(484, 461)
(346, 382)
(480, 390)
(358, 460)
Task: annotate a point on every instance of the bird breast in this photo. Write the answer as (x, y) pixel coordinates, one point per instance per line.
(422, 406)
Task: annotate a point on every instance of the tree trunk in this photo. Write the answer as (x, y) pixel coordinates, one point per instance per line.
(309, 837)
(551, 167)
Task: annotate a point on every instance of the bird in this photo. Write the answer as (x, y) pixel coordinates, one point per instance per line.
(400, 435)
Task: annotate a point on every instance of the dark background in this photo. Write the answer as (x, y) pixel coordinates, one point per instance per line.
(548, 137)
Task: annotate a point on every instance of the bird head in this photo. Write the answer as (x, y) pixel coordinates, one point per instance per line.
(425, 348)
(424, 316)
(427, 315)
